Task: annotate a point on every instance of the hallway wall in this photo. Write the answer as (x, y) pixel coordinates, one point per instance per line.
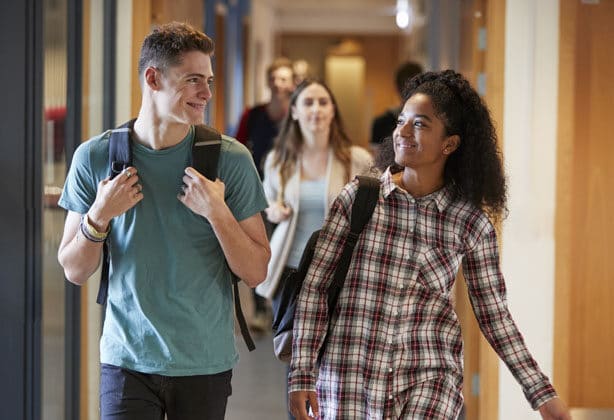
(529, 139)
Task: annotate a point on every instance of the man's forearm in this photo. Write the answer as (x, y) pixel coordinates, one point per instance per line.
(245, 246)
(78, 256)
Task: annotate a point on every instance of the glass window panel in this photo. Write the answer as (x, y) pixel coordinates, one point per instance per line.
(53, 173)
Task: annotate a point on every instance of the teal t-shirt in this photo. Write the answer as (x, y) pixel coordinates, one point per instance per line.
(170, 306)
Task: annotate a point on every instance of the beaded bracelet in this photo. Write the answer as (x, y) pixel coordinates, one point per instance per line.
(90, 231)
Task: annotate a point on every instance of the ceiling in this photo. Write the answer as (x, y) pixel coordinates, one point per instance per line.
(341, 15)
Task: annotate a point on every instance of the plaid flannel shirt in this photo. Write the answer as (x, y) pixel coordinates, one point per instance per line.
(394, 325)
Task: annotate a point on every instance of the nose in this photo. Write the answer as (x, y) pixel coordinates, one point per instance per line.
(205, 93)
(405, 129)
(314, 110)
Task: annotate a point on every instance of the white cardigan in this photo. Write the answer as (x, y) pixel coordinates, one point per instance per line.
(283, 235)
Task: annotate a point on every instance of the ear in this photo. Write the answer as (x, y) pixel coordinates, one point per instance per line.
(151, 79)
(450, 144)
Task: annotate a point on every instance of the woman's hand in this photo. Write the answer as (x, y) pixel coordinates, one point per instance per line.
(278, 212)
(554, 409)
(298, 402)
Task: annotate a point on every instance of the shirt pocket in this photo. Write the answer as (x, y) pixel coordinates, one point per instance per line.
(438, 268)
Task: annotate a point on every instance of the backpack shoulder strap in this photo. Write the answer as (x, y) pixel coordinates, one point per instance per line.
(120, 152)
(364, 203)
(206, 150)
(205, 157)
(120, 157)
(362, 210)
(249, 342)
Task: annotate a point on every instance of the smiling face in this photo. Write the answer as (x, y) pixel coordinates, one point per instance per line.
(181, 92)
(420, 139)
(314, 109)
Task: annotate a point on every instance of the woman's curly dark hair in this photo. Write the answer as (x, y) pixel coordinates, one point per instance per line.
(475, 170)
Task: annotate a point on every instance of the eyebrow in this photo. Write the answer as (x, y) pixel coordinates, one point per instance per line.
(426, 117)
(200, 75)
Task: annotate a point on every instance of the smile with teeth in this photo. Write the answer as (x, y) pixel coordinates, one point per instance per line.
(199, 107)
(402, 145)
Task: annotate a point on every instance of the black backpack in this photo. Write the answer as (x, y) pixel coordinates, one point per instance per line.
(205, 154)
(283, 313)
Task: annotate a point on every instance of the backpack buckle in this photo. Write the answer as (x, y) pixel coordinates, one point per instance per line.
(117, 167)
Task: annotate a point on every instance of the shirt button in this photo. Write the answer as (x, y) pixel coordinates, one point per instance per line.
(390, 396)
(389, 370)
(411, 230)
(411, 200)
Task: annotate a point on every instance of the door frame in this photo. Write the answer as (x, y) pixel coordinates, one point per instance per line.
(21, 163)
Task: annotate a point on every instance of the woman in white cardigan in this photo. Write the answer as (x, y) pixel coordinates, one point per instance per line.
(312, 159)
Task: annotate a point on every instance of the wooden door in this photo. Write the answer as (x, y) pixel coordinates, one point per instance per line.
(482, 52)
(584, 326)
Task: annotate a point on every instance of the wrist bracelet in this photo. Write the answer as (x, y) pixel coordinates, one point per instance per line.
(90, 232)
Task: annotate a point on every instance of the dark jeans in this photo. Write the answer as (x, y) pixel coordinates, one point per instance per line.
(130, 395)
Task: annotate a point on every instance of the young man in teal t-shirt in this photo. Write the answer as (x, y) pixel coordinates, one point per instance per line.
(167, 346)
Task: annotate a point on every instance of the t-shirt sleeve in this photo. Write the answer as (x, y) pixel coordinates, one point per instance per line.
(244, 193)
(80, 187)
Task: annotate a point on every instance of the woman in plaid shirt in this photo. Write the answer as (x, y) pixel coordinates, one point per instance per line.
(395, 349)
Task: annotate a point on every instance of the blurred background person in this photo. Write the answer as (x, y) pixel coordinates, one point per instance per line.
(301, 71)
(258, 127)
(385, 123)
(311, 161)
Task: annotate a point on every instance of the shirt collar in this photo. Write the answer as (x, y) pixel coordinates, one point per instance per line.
(442, 197)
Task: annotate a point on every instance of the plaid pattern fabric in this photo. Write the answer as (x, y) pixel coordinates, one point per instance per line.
(394, 331)
(436, 398)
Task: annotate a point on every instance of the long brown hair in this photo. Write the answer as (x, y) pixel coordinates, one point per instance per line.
(288, 144)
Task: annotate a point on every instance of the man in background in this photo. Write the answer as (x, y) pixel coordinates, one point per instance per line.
(258, 128)
(384, 124)
(259, 125)
(301, 71)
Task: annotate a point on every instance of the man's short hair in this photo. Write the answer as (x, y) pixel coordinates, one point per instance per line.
(164, 46)
(277, 64)
(405, 72)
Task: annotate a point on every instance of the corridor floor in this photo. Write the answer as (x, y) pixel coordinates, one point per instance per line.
(258, 390)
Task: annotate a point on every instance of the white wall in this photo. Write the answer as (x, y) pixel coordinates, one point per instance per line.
(123, 64)
(530, 120)
(263, 26)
